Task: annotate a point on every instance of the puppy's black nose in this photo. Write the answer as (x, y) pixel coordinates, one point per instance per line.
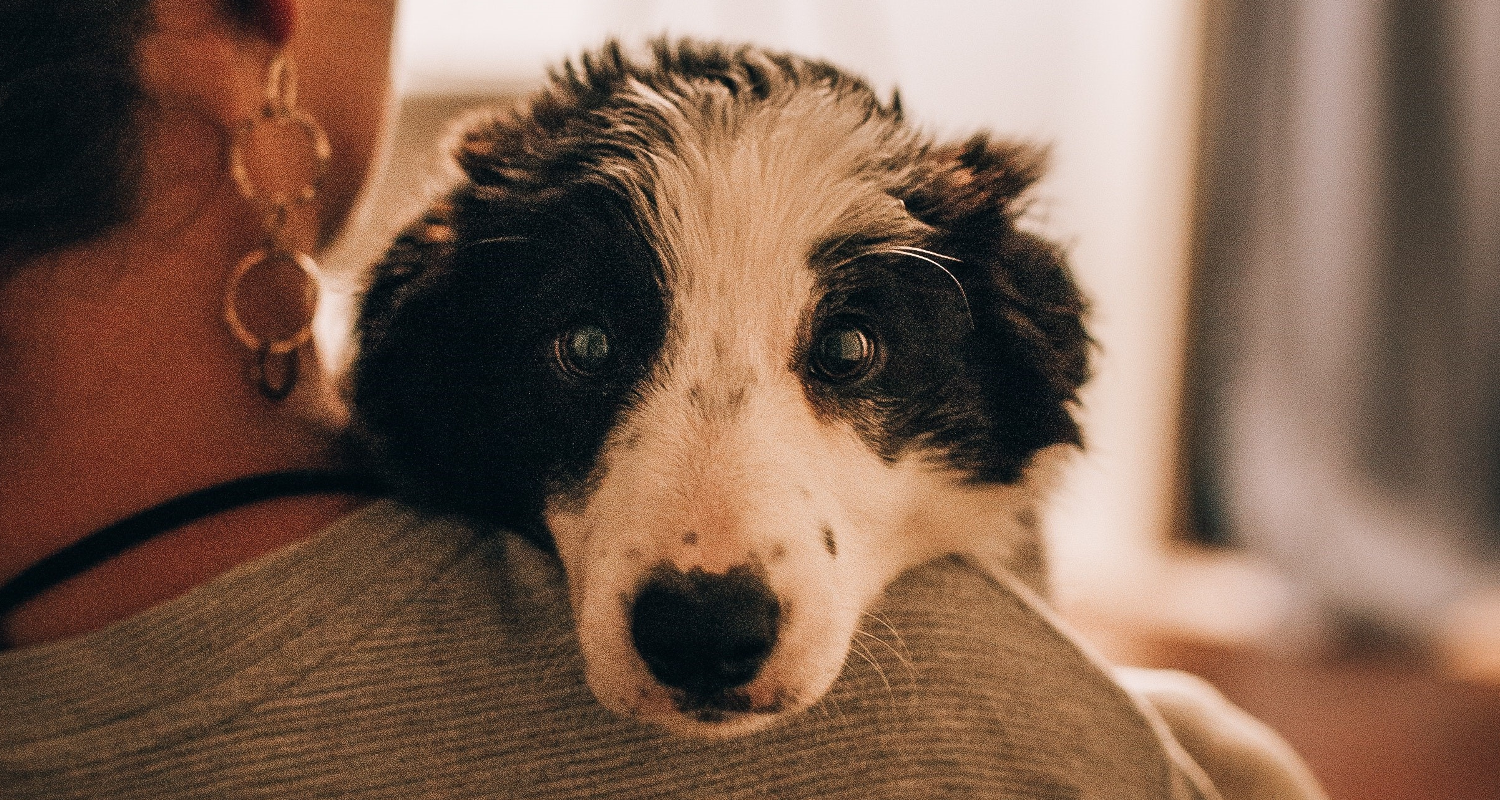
(704, 633)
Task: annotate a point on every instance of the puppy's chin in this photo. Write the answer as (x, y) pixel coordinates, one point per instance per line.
(732, 726)
(710, 724)
(740, 712)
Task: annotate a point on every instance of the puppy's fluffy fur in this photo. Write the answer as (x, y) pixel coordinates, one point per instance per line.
(743, 345)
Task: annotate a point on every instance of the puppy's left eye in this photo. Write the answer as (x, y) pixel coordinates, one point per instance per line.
(583, 350)
(844, 352)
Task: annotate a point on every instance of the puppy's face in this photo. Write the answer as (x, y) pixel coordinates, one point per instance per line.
(740, 344)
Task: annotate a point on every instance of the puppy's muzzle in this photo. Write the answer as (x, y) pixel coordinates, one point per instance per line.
(704, 634)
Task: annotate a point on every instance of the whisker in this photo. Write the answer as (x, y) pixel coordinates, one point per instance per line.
(855, 646)
(901, 658)
(903, 653)
(927, 252)
(887, 625)
(494, 240)
(928, 256)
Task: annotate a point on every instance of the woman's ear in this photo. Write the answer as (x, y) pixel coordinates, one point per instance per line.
(211, 56)
(276, 20)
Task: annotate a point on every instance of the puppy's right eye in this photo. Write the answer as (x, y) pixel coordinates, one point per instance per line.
(583, 350)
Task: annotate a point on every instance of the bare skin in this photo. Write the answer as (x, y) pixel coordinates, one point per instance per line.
(121, 386)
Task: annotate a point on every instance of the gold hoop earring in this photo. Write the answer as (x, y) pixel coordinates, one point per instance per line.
(278, 265)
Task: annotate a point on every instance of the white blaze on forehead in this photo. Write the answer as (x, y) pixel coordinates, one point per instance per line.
(734, 204)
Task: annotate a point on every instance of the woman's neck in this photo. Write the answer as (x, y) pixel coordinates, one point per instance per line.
(122, 388)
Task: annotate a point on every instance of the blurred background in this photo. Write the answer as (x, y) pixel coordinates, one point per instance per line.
(1287, 214)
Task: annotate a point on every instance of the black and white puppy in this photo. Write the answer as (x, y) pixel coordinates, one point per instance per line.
(743, 345)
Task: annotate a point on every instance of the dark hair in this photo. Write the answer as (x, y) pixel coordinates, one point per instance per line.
(68, 94)
(69, 142)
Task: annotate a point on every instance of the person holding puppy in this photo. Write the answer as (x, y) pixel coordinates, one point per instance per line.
(196, 602)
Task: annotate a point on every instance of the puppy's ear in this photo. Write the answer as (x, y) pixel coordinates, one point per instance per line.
(1030, 351)
(974, 182)
(530, 152)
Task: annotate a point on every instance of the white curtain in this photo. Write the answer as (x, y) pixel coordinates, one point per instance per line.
(1347, 333)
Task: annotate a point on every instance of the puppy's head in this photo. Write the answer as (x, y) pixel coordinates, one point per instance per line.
(742, 344)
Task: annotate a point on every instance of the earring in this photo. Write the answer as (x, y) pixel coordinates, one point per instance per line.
(275, 332)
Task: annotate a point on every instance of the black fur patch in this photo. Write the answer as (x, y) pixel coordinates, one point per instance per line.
(980, 377)
(457, 383)
(1029, 353)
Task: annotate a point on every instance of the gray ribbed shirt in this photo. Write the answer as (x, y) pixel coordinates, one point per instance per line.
(402, 656)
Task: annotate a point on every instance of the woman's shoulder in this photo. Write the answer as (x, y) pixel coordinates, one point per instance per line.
(398, 649)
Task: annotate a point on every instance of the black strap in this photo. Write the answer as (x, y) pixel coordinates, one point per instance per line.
(115, 538)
